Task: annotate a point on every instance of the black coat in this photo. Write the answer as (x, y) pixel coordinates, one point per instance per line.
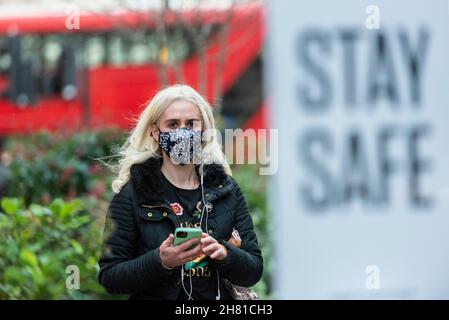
(139, 219)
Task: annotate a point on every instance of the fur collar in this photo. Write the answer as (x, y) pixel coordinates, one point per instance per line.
(146, 179)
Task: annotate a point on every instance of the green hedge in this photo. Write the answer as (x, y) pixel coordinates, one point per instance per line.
(47, 166)
(40, 242)
(254, 187)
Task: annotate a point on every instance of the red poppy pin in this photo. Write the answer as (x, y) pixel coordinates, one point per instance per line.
(177, 209)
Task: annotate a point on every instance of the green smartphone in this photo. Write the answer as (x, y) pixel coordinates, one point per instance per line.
(184, 234)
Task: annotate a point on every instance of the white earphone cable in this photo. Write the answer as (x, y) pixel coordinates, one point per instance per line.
(206, 207)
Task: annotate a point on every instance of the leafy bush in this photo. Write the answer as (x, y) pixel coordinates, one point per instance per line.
(40, 242)
(47, 165)
(254, 187)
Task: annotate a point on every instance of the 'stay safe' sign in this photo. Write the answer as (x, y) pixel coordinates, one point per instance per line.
(361, 101)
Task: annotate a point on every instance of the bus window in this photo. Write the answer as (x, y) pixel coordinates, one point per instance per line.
(51, 52)
(115, 54)
(34, 66)
(153, 47)
(22, 89)
(136, 47)
(179, 46)
(139, 53)
(67, 72)
(5, 64)
(31, 47)
(95, 52)
(5, 57)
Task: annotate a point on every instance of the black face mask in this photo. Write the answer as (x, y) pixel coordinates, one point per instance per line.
(182, 145)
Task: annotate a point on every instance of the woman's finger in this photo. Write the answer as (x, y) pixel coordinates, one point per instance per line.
(207, 241)
(168, 242)
(217, 252)
(191, 254)
(186, 245)
(210, 248)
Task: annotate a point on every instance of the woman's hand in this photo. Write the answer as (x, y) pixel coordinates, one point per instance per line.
(213, 249)
(173, 256)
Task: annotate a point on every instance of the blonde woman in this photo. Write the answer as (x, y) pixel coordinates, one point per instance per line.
(172, 173)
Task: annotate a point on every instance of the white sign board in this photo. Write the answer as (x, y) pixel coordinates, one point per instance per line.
(360, 96)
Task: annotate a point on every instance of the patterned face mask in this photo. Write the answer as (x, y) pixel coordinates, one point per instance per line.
(182, 145)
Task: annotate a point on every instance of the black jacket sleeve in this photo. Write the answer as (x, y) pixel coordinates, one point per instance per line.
(122, 271)
(243, 266)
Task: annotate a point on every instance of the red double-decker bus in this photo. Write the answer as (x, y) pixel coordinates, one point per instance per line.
(100, 74)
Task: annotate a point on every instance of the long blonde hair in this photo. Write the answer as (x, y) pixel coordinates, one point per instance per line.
(140, 145)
